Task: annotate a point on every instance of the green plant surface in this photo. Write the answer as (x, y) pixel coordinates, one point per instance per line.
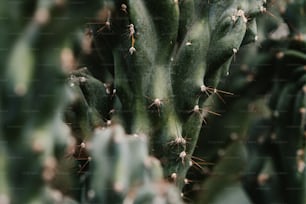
(165, 65)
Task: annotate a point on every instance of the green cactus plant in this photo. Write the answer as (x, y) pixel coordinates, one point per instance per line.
(284, 142)
(153, 68)
(33, 135)
(123, 171)
(164, 65)
(31, 143)
(274, 140)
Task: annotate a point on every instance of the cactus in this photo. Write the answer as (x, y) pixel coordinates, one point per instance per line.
(29, 117)
(153, 68)
(274, 138)
(33, 135)
(162, 68)
(284, 140)
(123, 171)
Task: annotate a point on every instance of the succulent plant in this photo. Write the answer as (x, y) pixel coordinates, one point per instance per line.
(162, 62)
(273, 136)
(149, 83)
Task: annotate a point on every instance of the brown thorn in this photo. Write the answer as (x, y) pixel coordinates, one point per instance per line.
(212, 112)
(220, 97)
(197, 166)
(84, 165)
(202, 161)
